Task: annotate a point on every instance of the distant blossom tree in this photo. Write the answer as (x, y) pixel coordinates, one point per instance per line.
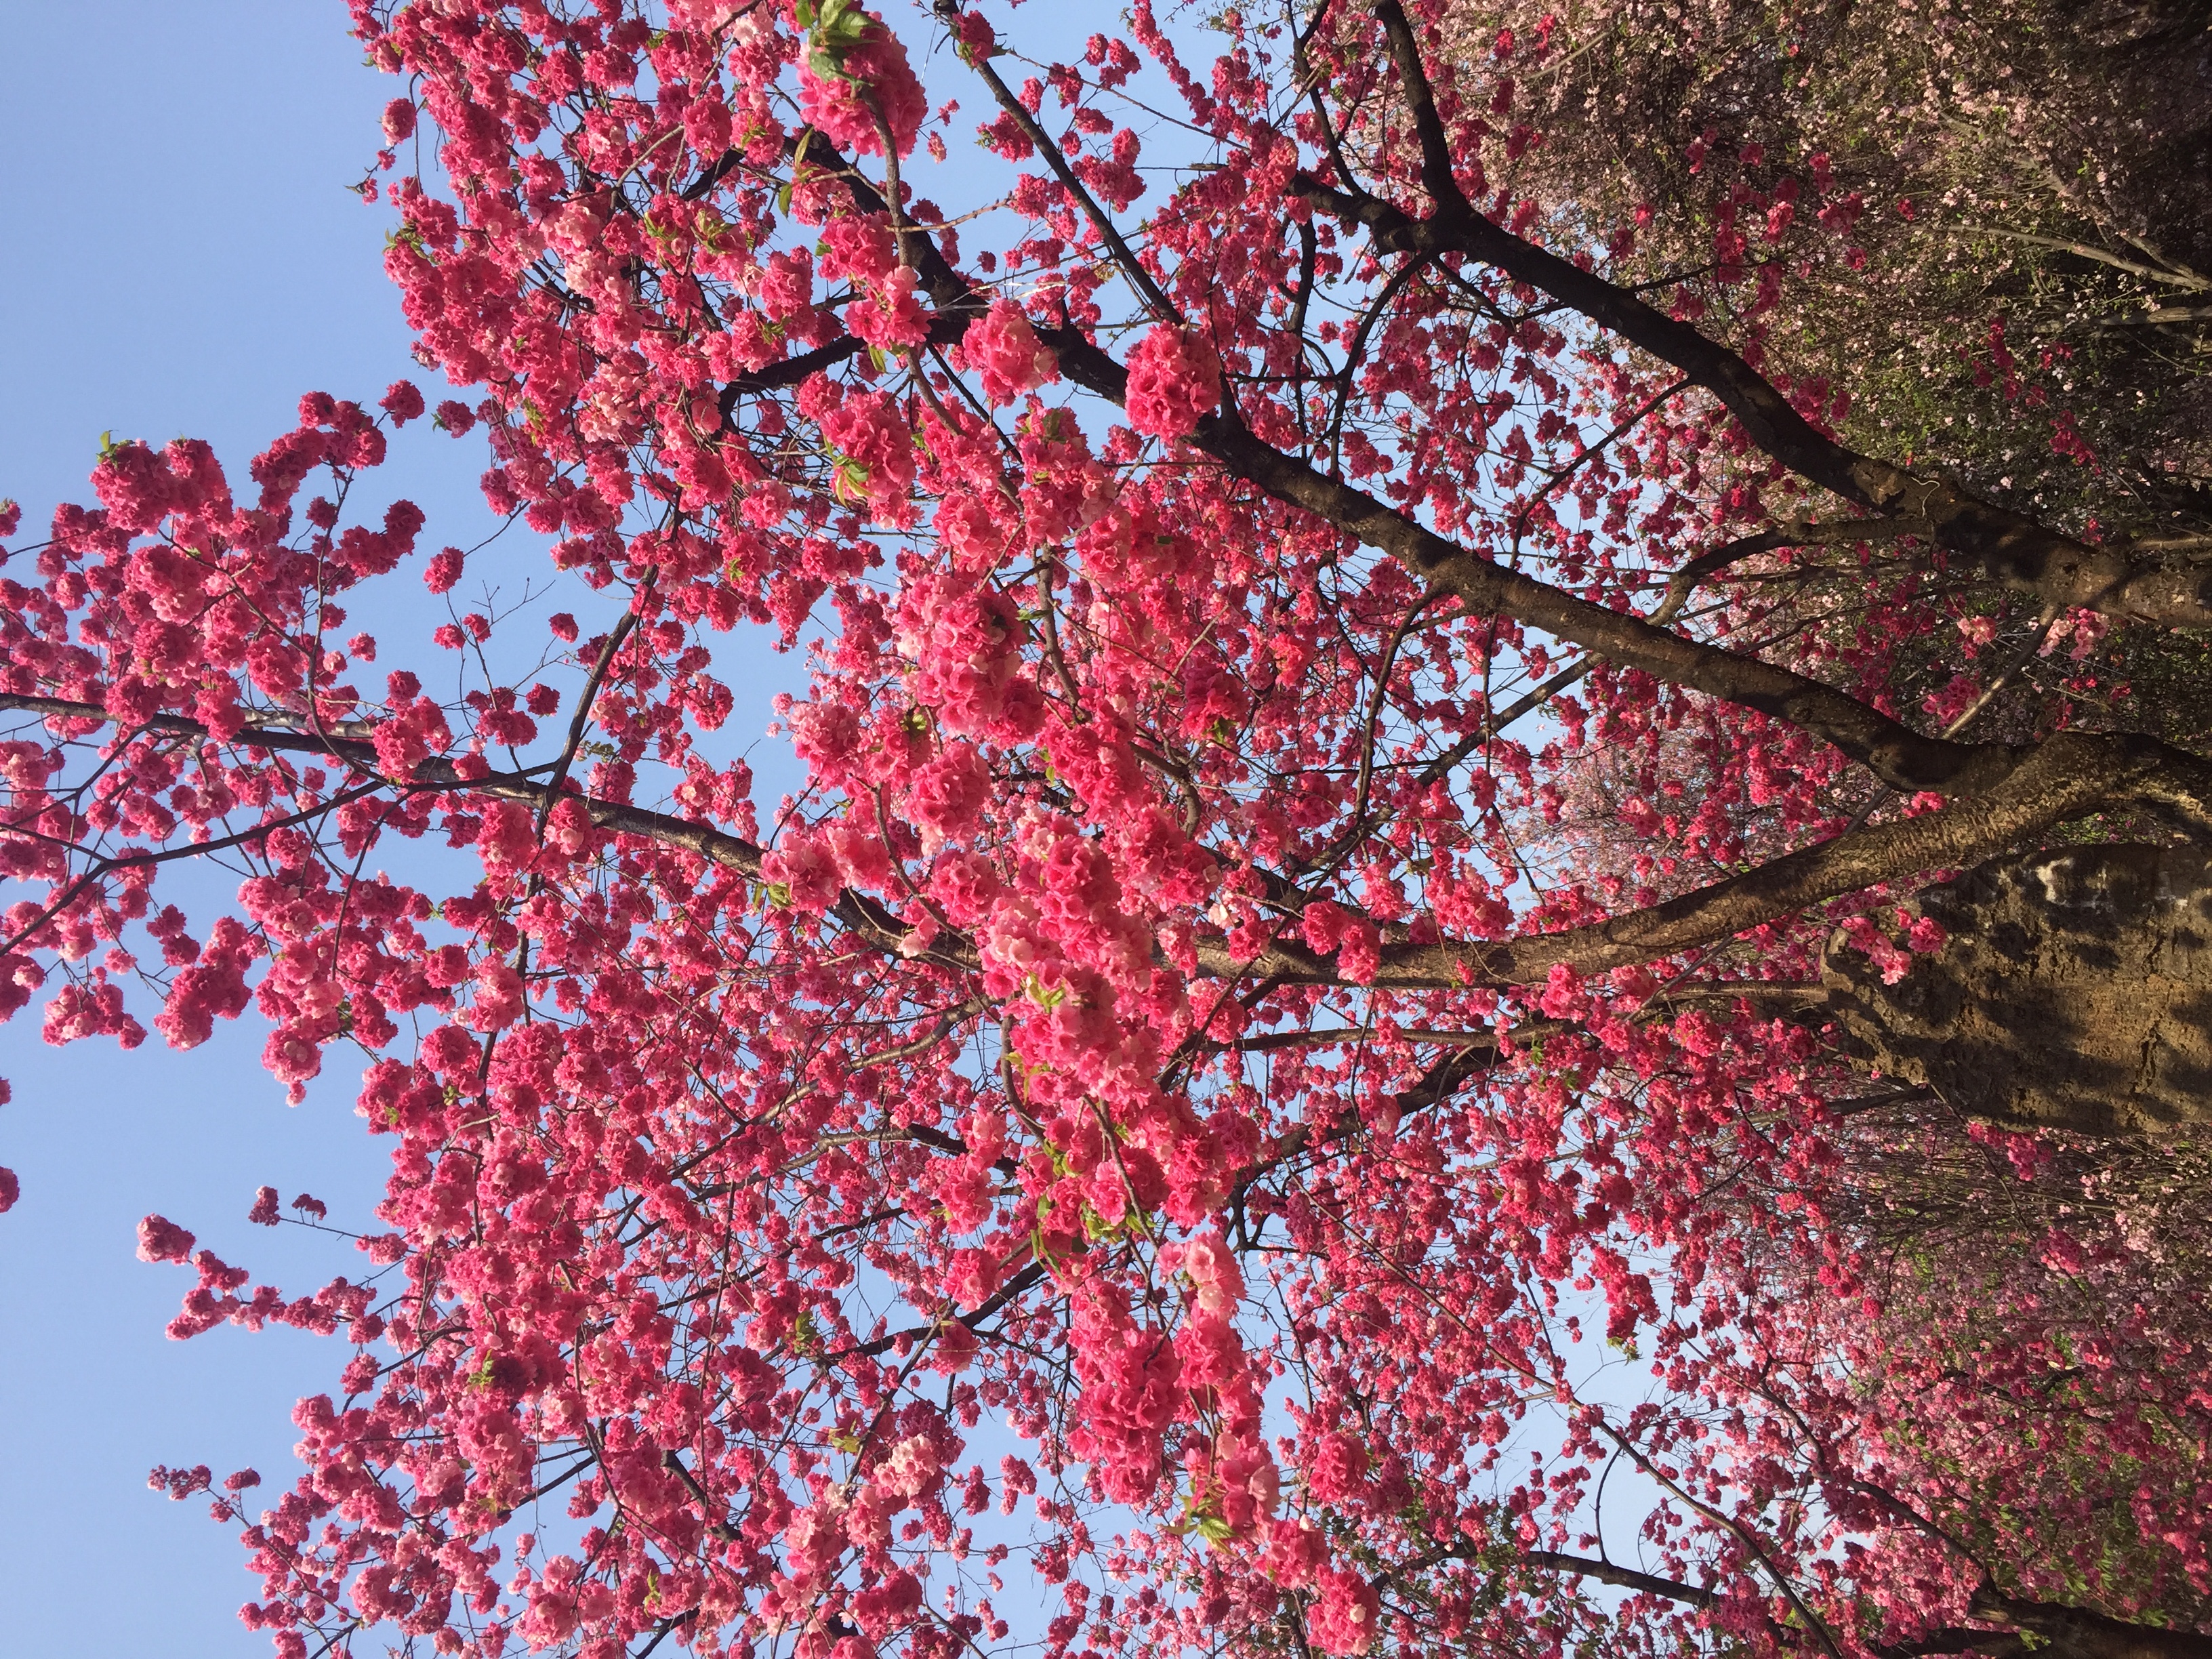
(1345, 720)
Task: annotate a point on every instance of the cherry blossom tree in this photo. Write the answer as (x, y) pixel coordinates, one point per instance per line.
(1178, 1032)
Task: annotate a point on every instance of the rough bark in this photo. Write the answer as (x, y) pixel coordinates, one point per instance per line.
(2075, 993)
(2081, 1633)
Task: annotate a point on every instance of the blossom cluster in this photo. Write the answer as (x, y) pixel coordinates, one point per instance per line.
(1182, 1020)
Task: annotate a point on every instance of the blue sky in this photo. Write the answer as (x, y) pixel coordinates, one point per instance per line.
(180, 256)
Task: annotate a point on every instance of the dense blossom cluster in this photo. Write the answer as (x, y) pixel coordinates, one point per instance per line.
(1185, 1029)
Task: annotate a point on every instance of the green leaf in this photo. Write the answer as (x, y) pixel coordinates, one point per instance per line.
(1037, 1246)
(850, 483)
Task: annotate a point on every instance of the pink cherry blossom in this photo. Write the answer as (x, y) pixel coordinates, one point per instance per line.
(1175, 381)
(1284, 975)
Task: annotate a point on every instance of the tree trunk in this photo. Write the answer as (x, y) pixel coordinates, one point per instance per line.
(2078, 1633)
(2075, 993)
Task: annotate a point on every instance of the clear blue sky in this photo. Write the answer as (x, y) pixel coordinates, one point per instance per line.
(179, 255)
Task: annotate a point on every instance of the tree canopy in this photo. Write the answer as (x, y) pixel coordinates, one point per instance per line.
(1334, 1055)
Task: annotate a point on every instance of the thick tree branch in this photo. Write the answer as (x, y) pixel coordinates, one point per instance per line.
(1436, 175)
(2072, 1632)
(2072, 774)
(2080, 1634)
(1896, 754)
(2010, 547)
(1992, 1643)
(1706, 565)
(2075, 1632)
(1620, 1577)
(1893, 751)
